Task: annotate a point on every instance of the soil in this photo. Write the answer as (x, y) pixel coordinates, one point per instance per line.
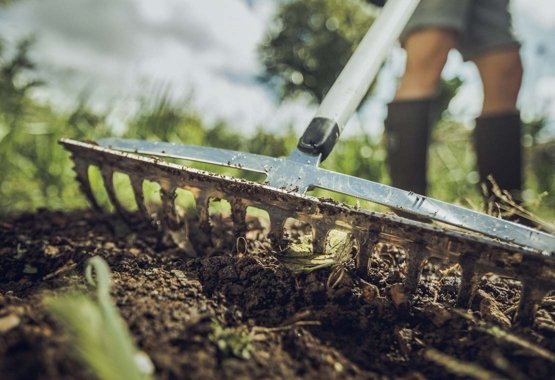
(299, 325)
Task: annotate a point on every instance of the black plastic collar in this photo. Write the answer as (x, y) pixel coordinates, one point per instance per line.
(320, 137)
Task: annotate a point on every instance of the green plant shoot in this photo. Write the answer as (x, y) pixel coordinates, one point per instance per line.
(97, 332)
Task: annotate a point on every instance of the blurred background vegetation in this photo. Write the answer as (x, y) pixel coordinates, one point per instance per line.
(305, 49)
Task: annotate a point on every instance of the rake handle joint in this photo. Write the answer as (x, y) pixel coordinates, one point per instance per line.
(320, 137)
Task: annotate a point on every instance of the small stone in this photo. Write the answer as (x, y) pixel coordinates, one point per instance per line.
(338, 367)
(51, 250)
(9, 322)
(135, 251)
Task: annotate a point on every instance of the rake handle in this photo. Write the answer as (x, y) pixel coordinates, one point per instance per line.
(355, 79)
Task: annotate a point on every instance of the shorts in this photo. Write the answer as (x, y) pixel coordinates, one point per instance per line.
(482, 25)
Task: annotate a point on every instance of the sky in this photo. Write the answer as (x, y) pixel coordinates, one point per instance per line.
(115, 51)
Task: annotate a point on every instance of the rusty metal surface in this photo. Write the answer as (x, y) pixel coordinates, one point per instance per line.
(477, 255)
(300, 172)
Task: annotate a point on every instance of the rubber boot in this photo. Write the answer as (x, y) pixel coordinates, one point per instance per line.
(407, 130)
(499, 152)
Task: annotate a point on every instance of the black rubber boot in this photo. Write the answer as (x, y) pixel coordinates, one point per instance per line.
(499, 152)
(407, 130)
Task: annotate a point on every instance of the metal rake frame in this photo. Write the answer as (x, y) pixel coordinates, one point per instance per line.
(477, 255)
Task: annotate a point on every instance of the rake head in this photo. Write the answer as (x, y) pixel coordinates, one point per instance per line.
(480, 244)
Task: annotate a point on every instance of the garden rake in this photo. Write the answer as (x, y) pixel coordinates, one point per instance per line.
(479, 243)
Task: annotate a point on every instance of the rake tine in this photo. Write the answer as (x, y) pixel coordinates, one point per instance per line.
(108, 179)
(202, 199)
(82, 175)
(530, 298)
(367, 240)
(320, 233)
(469, 281)
(239, 216)
(417, 255)
(137, 186)
(532, 292)
(169, 214)
(177, 228)
(277, 223)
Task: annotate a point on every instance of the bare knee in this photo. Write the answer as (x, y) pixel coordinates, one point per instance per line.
(501, 73)
(511, 69)
(427, 52)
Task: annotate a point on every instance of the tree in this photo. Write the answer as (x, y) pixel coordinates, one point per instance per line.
(309, 43)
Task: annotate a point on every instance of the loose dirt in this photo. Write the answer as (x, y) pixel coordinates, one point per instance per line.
(298, 325)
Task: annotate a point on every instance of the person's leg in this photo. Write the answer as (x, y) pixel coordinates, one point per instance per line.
(427, 51)
(407, 126)
(501, 74)
(489, 43)
(498, 130)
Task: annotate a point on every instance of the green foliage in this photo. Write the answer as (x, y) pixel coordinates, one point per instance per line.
(360, 157)
(310, 42)
(270, 144)
(447, 90)
(231, 341)
(98, 334)
(33, 172)
(541, 162)
(452, 171)
(36, 172)
(160, 118)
